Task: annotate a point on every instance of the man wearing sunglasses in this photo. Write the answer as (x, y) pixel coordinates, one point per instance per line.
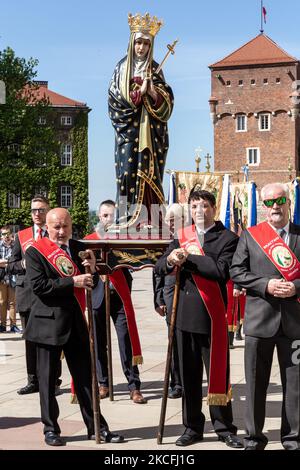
(266, 263)
(17, 266)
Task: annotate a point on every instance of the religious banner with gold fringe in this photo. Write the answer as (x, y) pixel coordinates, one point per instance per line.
(185, 181)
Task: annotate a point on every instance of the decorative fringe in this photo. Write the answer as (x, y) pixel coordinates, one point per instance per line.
(136, 360)
(218, 399)
(74, 399)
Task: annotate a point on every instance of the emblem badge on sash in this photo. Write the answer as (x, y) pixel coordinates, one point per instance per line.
(64, 265)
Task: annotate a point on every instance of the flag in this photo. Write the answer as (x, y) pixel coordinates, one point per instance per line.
(264, 12)
(252, 205)
(297, 203)
(225, 203)
(172, 189)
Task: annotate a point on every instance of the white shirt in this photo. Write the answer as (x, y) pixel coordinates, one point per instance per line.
(204, 230)
(36, 230)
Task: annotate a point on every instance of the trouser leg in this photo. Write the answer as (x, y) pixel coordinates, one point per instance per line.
(175, 381)
(221, 416)
(12, 306)
(101, 346)
(258, 363)
(30, 353)
(290, 379)
(131, 372)
(48, 359)
(3, 303)
(77, 355)
(191, 371)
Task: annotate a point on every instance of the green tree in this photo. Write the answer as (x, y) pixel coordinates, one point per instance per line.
(28, 148)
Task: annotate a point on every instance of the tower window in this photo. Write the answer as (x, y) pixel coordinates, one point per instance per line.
(228, 83)
(278, 80)
(252, 81)
(253, 156)
(265, 82)
(241, 83)
(264, 122)
(241, 123)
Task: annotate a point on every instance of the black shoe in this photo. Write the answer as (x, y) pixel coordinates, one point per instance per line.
(250, 444)
(238, 336)
(29, 388)
(53, 439)
(108, 436)
(291, 445)
(231, 440)
(188, 439)
(175, 393)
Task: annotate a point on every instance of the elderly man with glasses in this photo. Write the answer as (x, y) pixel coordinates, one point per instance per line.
(266, 263)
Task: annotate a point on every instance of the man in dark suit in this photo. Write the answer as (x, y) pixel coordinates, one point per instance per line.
(57, 322)
(264, 255)
(163, 290)
(193, 325)
(17, 266)
(106, 218)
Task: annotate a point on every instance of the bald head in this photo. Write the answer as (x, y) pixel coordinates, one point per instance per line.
(59, 225)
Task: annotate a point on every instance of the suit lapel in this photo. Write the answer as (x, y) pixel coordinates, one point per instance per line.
(293, 237)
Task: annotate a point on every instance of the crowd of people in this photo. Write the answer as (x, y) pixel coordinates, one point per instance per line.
(44, 280)
(263, 262)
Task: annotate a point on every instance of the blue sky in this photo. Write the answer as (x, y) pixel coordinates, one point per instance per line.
(78, 44)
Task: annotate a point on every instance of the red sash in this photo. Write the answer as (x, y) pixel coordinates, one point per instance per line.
(219, 390)
(26, 238)
(276, 250)
(235, 305)
(231, 306)
(118, 280)
(63, 264)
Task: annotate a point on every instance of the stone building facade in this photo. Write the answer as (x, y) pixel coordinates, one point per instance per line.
(63, 179)
(254, 107)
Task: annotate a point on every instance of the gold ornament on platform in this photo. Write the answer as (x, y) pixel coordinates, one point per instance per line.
(144, 24)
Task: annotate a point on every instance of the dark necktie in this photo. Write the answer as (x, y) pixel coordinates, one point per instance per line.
(201, 238)
(282, 233)
(66, 249)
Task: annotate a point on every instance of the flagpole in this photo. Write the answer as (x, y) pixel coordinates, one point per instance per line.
(261, 16)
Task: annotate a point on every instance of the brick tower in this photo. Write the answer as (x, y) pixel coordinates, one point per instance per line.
(254, 108)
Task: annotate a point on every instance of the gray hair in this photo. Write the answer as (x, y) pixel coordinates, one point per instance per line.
(178, 211)
(284, 187)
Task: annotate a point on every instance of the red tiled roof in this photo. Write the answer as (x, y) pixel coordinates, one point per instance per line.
(54, 98)
(261, 50)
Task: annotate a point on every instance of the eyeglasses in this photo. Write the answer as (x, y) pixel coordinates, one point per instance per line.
(39, 211)
(279, 201)
(4, 234)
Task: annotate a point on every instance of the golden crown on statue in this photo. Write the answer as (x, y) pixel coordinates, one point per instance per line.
(144, 24)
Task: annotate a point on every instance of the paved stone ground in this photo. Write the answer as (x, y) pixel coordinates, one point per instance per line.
(20, 426)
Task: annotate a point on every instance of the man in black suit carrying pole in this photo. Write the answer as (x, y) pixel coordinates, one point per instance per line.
(57, 322)
(266, 263)
(203, 251)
